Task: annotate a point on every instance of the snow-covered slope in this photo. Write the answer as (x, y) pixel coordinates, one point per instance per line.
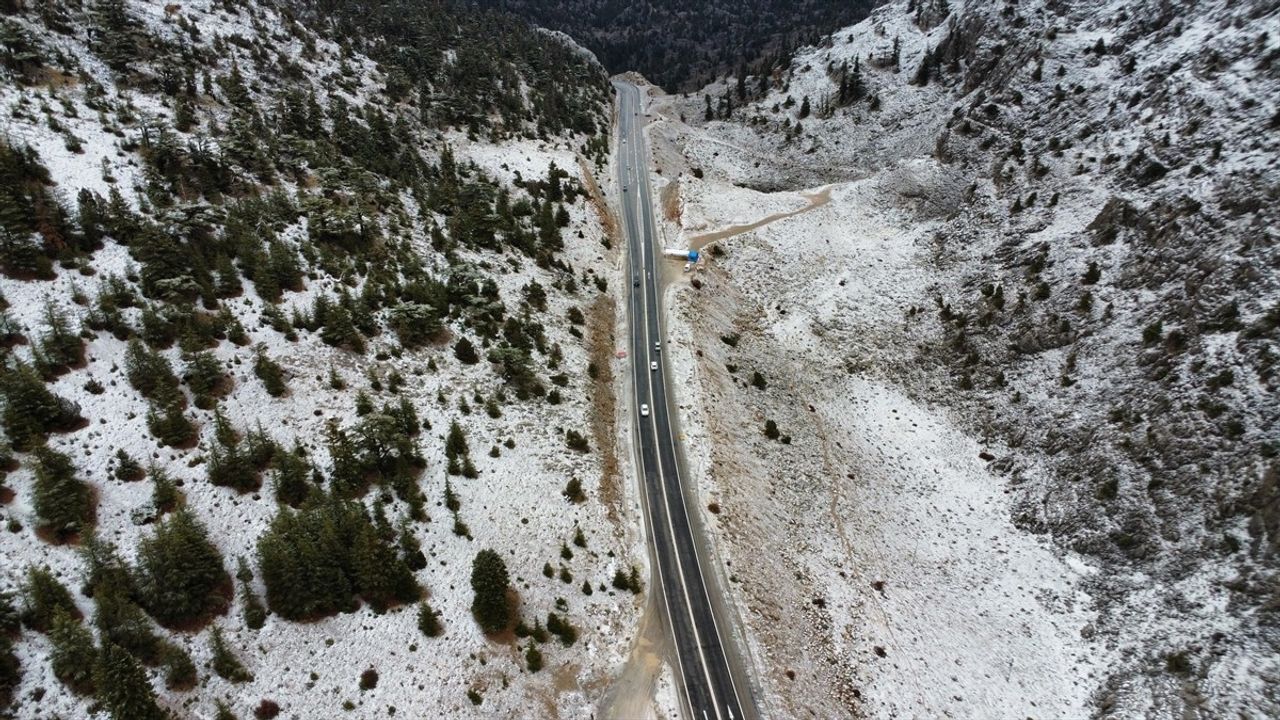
(207, 98)
(1021, 364)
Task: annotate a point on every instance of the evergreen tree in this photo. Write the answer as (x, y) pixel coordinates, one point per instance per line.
(104, 569)
(318, 561)
(224, 662)
(382, 579)
(853, 88)
(181, 577)
(230, 464)
(429, 621)
(64, 505)
(123, 686)
(164, 493)
(179, 670)
(10, 671)
(30, 410)
(116, 34)
(122, 623)
(150, 372)
(73, 653)
(455, 448)
(255, 614)
(291, 479)
(925, 71)
(490, 583)
(44, 597)
(206, 378)
(270, 372)
(465, 351)
(10, 618)
(60, 347)
(170, 426)
(562, 629)
(127, 469)
(573, 491)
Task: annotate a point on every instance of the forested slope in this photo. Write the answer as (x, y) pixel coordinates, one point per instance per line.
(293, 305)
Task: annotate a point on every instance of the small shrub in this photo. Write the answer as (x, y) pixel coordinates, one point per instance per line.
(771, 430)
(270, 373)
(573, 491)
(225, 663)
(533, 658)
(576, 441)
(429, 621)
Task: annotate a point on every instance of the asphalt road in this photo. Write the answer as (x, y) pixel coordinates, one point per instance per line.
(706, 680)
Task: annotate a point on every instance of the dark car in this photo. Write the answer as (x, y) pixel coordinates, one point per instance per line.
(635, 282)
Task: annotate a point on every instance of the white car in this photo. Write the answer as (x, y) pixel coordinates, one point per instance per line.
(657, 347)
(653, 365)
(644, 410)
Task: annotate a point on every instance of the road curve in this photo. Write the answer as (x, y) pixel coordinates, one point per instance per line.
(706, 681)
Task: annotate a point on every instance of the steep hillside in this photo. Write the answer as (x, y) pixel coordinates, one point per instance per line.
(1019, 358)
(304, 376)
(683, 46)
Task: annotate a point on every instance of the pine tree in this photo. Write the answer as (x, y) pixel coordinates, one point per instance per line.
(122, 623)
(456, 444)
(61, 347)
(64, 505)
(305, 559)
(127, 469)
(291, 479)
(562, 629)
(44, 597)
(10, 670)
(104, 569)
(150, 372)
(381, 577)
(30, 410)
(206, 378)
(170, 426)
(123, 686)
(533, 658)
(855, 88)
(181, 577)
(255, 614)
(117, 34)
(73, 653)
(179, 670)
(490, 583)
(925, 71)
(429, 621)
(270, 372)
(164, 493)
(224, 662)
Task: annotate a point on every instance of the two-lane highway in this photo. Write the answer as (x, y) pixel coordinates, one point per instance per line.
(707, 686)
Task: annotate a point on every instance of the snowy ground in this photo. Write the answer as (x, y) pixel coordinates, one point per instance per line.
(884, 514)
(515, 506)
(896, 582)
